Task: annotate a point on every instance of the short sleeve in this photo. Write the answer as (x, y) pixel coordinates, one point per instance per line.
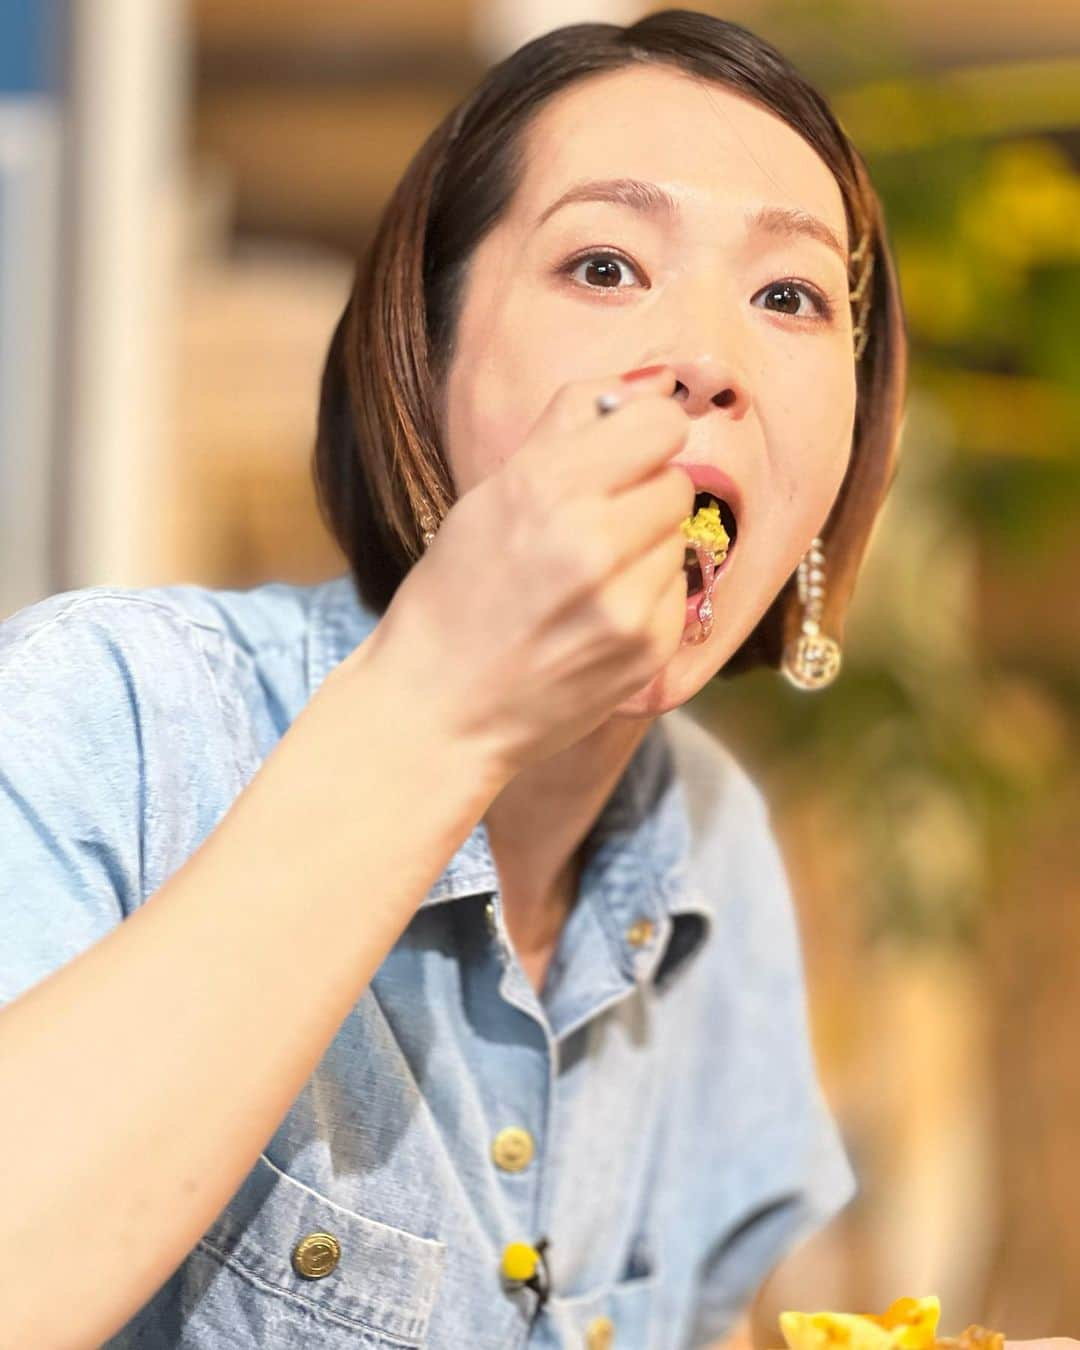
(796, 1174)
(70, 787)
(737, 1266)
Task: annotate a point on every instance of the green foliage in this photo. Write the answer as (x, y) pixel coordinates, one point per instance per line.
(940, 748)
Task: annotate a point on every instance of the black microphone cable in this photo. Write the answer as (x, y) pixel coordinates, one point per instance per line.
(524, 1266)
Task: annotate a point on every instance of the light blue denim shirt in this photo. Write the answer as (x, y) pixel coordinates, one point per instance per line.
(663, 1081)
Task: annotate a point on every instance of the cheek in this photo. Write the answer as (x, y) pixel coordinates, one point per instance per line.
(810, 449)
(492, 417)
(832, 453)
(813, 438)
(494, 398)
(811, 479)
(479, 433)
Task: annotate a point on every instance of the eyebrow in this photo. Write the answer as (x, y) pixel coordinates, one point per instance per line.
(650, 199)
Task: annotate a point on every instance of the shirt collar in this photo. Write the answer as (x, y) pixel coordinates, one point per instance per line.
(639, 857)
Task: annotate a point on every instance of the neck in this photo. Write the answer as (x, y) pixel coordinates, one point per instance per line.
(539, 823)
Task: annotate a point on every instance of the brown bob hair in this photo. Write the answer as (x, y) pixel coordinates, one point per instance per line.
(378, 463)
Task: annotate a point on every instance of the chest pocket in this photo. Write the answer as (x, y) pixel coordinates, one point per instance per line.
(619, 1315)
(283, 1266)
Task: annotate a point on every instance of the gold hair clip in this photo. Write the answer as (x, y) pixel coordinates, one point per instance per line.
(858, 295)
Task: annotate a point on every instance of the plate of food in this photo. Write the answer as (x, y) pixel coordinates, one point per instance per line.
(907, 1324)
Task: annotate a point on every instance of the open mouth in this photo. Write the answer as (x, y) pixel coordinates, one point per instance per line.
(692, 557)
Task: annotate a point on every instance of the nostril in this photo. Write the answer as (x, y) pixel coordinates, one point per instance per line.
(722, 400)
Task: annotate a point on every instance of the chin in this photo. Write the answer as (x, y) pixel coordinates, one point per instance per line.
(685, 675)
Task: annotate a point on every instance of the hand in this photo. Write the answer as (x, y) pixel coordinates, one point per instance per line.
(554, 589)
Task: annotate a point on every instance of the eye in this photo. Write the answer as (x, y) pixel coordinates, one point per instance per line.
(791, 293)
(602, 270)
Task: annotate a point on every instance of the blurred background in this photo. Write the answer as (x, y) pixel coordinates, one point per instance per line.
(183, 187)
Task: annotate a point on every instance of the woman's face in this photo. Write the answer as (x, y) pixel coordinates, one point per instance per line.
(701, 293)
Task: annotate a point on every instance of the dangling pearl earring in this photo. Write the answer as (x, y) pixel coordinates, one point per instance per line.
(811, 660)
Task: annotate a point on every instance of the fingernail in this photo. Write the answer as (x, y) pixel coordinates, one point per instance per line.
(643, 373)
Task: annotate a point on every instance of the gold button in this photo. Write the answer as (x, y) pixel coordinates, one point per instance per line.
(316, 1255)
(512, 1148)
(600, 1333)
(489, 917)
(639, 933)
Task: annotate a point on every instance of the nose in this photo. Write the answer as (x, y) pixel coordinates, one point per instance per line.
(702, 335)
(707, 382)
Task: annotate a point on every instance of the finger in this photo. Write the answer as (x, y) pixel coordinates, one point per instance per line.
(629, 447)
(655, 507)
(623, 529)
(643, 524)
(573, 406)
(612, 454)
(650, 591)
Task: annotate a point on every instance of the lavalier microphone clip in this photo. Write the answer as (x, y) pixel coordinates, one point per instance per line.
(524, 1266)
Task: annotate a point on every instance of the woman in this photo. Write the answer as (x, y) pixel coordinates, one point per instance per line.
(384, 969)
